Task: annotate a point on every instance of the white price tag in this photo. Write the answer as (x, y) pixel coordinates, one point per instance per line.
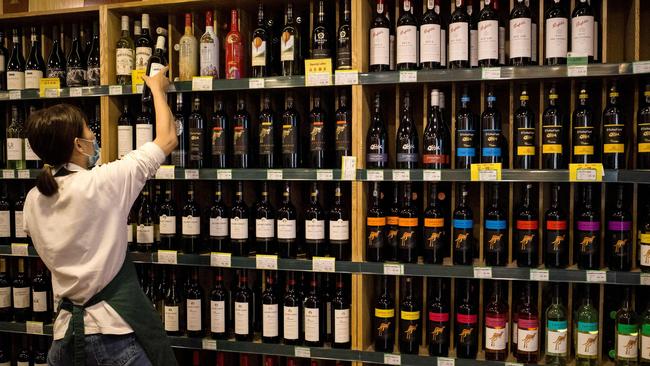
(224, 174)
(597, 276)
(209, 344)
(191, 174)
(303, 352)
(576, 70)
(487, 175)
(644, 279)
(375, 175)
(76, 92)
(323, 264)
(51, 93)
(491, 73)
(431, 175)
(165, 172)
(393, 269)
(34, 327)
(8, 174)
(139, 88)
(641, 67)
(408, 76)
(256, 83)
(391, 359)
(115, 90)
(446, 361)
(482, 272)
(14, 94)
(401, 175)
(590, 175)
(318, 79)
(513, 364)
(539, 274)
(346, 77)
(324, 174)
(167, 257)
(201, 83)
(18, 249)
(349, 168)
(265, 261)
(274, 174)
(218, 259)
(23, 174)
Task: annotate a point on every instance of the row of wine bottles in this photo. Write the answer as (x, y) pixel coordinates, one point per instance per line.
(483, 140)
(293, 307)
(157, 222)
(471, 38)
(523, 329)
(402, 231)
(24, 350)
(25, 294)
(223, 141)
(79, 68)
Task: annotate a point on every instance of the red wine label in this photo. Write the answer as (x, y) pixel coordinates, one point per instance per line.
(289, 139)
(496, 321)
(218, 141)
(435, 158)
(643, 137)
(434, 222)
(467, 319)
(588, 225)
(496, 333)
(439, 317)
(408, 221)
(552, 139)
(619, 225)
(527, 224)
(317, 142)
(556, 225)
(392, 220)
(527, 323)
(376, 221)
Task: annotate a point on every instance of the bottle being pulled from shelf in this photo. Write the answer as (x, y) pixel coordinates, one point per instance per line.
(437, 139)
(553, 134)
(377, 138)
(556, 329)
(583, 31)
(584, 138)
(408, 228)
(488, 35)
(16, 65)
(265, 224)
(556, 234)
(644, 328)
(526, 233)
(267, 132)
(145, 228)
(314, 313)
(143, 126)
(525, 134)
(556, 32)
(286, 217)
(587, 233)
(466, 143)
(260, 54)
(291, 313)
(315, 225)
(459, 37)
(627, 331)
(156, 61)
(21, 291)
(35, 66)
(438, 320)
(496, 325)
(290, 132)
(407, 148)
(197, 136)
(290, 45)
(15, 141)
(618, 237)
(376, 244)
(239, 223)
(56, 67)
(379, 58)
(491, 132)
(143, 45)
(406, 41)
(191, 223)
(172, 308)
(234, 49)
(270, 310)
(188, 55)
(520, 34)
(466, 321)
(463, 223)
(321, 42)
(4, 55)
(240, 131)
(317, 135)
(384, 317)
(527, 327)
(644, 239)
(343, 132)
(125, 131)
(410, 322)
(339, 227)
(209, 49)
(586, 330)
(243, 308)
(495, 235)
(6, 310)
(614, 133)
(219, 238)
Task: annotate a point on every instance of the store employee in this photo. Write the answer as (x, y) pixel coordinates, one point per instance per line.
(76, 217)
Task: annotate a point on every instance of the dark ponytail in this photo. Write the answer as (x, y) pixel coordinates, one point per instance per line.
(51, 132)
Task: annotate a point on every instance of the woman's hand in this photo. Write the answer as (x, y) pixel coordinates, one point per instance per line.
(158, 83)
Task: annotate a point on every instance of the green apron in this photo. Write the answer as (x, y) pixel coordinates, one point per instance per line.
(125, 296)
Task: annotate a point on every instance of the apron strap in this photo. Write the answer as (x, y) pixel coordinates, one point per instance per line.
(75, 332)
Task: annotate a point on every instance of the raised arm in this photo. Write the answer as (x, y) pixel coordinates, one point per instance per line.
(166, 137)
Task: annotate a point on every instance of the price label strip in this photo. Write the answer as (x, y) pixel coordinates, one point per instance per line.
(491, 73)
(19, 249)
(323, 264)
(431, 175)
(265, 261)
(302, 352)
(644, 279)
(324, 174)
(8, 174)
(256, 83)
(483, 272)
(202, 83)
(576, 65)
(318, 72)
(274, 174)
(115, 90)
(375, 175)
(393, 269)
(539, 275)
(224, 174)
(641, 67)
(401, 175)
(586, 172)
(191, 174)
(446, 361)
(486, 172)
(32, 327)
(165, 172)
(76, 91)
(167, 257)
(597, 276)
(23, 174)
(408, 76)
(346, 77)
(391, 359)
(218, 259)
(209, 344)
(15, 94)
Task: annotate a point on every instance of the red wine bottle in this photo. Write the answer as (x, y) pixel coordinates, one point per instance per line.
(339, 227)
(194, 305)
(243, 309)
(491, 133)
(437, 139)
(376, 244)
(553, 134)
(583, 130)
(341, 315)
(496, 325)
(317, 133)
(379, 58)
(286, 217)
(526, 230)
(436, 239)
(495, 242)
(438, 323)
(314, 313)
(407, 137)
(527, 328)
(270, 310)
(406, 41)
(265, 224)
(525, 135)
(556, 234)
(219, 216)
(521, 30)
(463, 223)
(643, 130)
(459, 37)
(587, 234)
(408, 228)
(410, 322)
(240, 131)
(384, 317)
(614, 133)
(218, 313)
(466, 321)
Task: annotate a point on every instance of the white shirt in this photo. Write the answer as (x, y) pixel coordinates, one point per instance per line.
(80, 235)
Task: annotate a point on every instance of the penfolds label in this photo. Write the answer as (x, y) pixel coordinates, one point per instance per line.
(218, 140)
(430, 43)
(266, 145)
(406, 44)
(614, 138)
(582, 35)
(459, 41)
(557, 37)
(379, 46)
(488, 40)
(520, 38)
(342, 136)
(240, 140)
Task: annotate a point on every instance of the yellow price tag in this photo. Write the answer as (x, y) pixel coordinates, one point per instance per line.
(136, 80)
(318, 72)
(486, 172)
(49, 83)
(586, 172)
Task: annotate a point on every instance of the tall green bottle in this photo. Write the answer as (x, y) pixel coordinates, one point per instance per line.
(556, 330)
(627, 333)
(645, 337)
(586, 331)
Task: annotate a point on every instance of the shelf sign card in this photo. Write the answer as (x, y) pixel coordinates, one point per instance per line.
(392, 359)
(115, 90)
(576, 65)
(256, 83)
(349, 168)
(393, 269)
(482, 272)
(641, 67)
(408, 76)
(18, 249)
(324, 174)
(165, 172)
(137, 82)
(8, 174)
(323, 264)
(593, 172)
(218, 259)
(318, 72)
(224, 174)
(346, 77)
(167, 257)
(491, 73)
(597, 276)
(486, 172)
(202, 83)
(34, 327)
(265, 261)
(53, 84)
(209, 344)
(302, 352)
(446, 361)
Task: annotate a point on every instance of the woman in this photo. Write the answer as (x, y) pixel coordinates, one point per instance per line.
(76, 218)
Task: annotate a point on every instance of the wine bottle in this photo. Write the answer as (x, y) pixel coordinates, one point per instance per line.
(392, 230)
(520, 34)
(5, 216)
(218, 136)
(234, 49)
(35, 66)
(502, 34)
(191, 223)
(145, 229)
(643, 130)
(526, 230)
(320, 38)
(644, 327)
(4, 57)
(286, 225)
(619, 233)
(209, 49)
(131, 225)
(188, 57)
(553, 134)
(586, 330)
(315, 225)
(557, 34)
(317, 133)
(465, 134)
(76, 63)
(24, 356)
(384, 317)
(6, 310)
(587, 234)
(40, 350)
(143, 45)
(343, 132)
(290, 45)
(614, 133)
(291, 313)
(644, 240)
(194, 305)
(267, 132)
(488, 35)
(243, 308)
(241, 126)
(437, 138)
(406, 41)
(466, 322)
(56, 67)
(496, 325)
(434, 234)
(556, 329)
(218, 298)
(15, 141)
(375, 227)
(377, 138)
(124, 131)
(20, 236)
(167, 220)
(491, 133)
(583, 130)
(239, 223)
(344, 39)
(290, 132)
(438, 323)
(197, 137)
(525, 139)
(379, 58)
(93, 71)
(156, 62)
(459, 37)
(627, 332)
(143, 126)
(179, 155)
(94, 124)
(463, 229)
(407, 137)
(408, 228)
(555, 232)
(41, 294)
(341, 315)
(125, 54)
(314, 312)
(495, 242)
(583, 30)
(219, 224)
(270, 312)
(260, 55)
(21, 292)
(527, 328)
(339, 227)
(16, 65)
(430, 38)
(409, 320)
(265, 224)
(473, 34)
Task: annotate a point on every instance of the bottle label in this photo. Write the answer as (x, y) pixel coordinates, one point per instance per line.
(15, 80)
(56, 73)
(218, 141)
(514, 328)
(258, 52)
(527, 236)
(144, 234)
(406, 44)
(465, 143)
(466, 319)
(384, 313)
(238, 228)
(287, 47)
(286, 229)
(343, 136)
(39, 301)
(29, 153)
(409, 315)
(341, 325)
(645, 347)
(496, 334)
(314, 229)
(312, 324)
(463, 224)
(557, 37)
(142, 55)
(494, 234)
(196, 144)
(473, 48)
(93, 75)
(533, 43)
(587, 342)
(194, 310)
(33, 79)
(443, 47)
(627, 346)
(587, 236)
(3, 64)
(377, 155)
(270, 320)
(18, 222)
(124, 140)
(520, 37)
(5, 224)
(328, 318)
(407, 157)
(343, 49)
(266, 138)
(643, 137)
(644, 255)
(241, 318)
(491, 143)
(5, 297)
(379, 46)
(265, 228)
(219, 227)
(375, 232)
(488, 40)
(129, 233)
(209, 58)
(459, 41)
(614, 139)
(240, 140)
(556, 236)
(171, 319)
(556, 336)
(583, 141)
(582, 35)
(339, 230)
(143, 134)
(619, 225)
(430, 43)
(289, 139)
(552, 138)
(21, 297)
(15, 148)
(191, 225)
(320, 48)
(526, 141)
(218, 316)
(407, 232)
(527, 339)
(434, 234)
(167, 225)
(291, 316)
(125, 61)
(317, 140)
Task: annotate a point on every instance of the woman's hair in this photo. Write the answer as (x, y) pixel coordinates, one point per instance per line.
(51, 132)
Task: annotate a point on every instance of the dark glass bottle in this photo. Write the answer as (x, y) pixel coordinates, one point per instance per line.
(410, 322)
(406, 41)
(6, 310)
(557, 34)
(553, 134)
(627, 331)
(321, 42)
(339, 227)
(146, 220)
(430, 38)
(343, 132)
(583, 130)
(56, 65)
(270, 310)
(377, 138)
(527, 328)
(21, 291)
(583, 30)
(525, 135)
(243, 308)
(465, 135)
(526, 230)
(290, 133)
(16, 64)
(556, 234)
(40, 350)
(92, 60)
(384, 317)
(619, 233)
(194, 309)
(286, 217)
(167, 220)
(436, 241)
(587, 235)
(179, 155)
(144, 45)
(197, 137)
(495, 235)
(290, 45)
(261, 47)
(317, 135)
(219, 136)
(614, 133)
(459, 37)
(437, 138)
(491, 133)
(291, 312)
(341, 315)
(219, 216)
(267, 132)
(466, 321)
(376, 244)
(438, 320)
(144, 129)
(407, 138)
(315, 225)
(496, 325)
(463, 229)
(520, 34)
(265, 224)
(239, 223)
(392, 222)
(41, 294)
(24, 356)
(240, 131)
(4, 53)
(218, 306)
(643, 130)
(35, 66)
(76, 62)
(314, 312)
(191, 223)
(408, 228)
(5, 215)
(488, 35)
(379, 58)
(643, 226)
